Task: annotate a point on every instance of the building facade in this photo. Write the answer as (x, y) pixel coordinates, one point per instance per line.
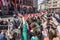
(42, 6)
(35, 3)
(26, 3)
(31, 5)
(52, 5)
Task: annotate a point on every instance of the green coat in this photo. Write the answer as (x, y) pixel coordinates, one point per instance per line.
(34, 38)
(24, 33)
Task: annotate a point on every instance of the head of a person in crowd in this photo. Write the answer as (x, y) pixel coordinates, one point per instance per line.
(33, 25)
(15, 16)
(41, 27)
(29, 23)
(38, 33)
(5, 22)
(9, 20)
(33, 19)
(52, 33)
(34, 34)
(28, 20)
(49, 20)
(39, 21)
(49, 15)
(38, 17)
(48, 26)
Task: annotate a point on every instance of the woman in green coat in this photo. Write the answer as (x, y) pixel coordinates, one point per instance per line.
(24, 31)
(34, 37)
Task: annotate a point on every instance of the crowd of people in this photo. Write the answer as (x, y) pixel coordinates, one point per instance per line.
(9, 29)
(9, 7)
(45, 27)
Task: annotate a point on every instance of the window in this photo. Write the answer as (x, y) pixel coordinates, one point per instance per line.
(55, 2)
(54, 5)
(49, 3)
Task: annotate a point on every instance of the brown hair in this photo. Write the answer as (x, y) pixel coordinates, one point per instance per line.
(33, 25)
(52, 34)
